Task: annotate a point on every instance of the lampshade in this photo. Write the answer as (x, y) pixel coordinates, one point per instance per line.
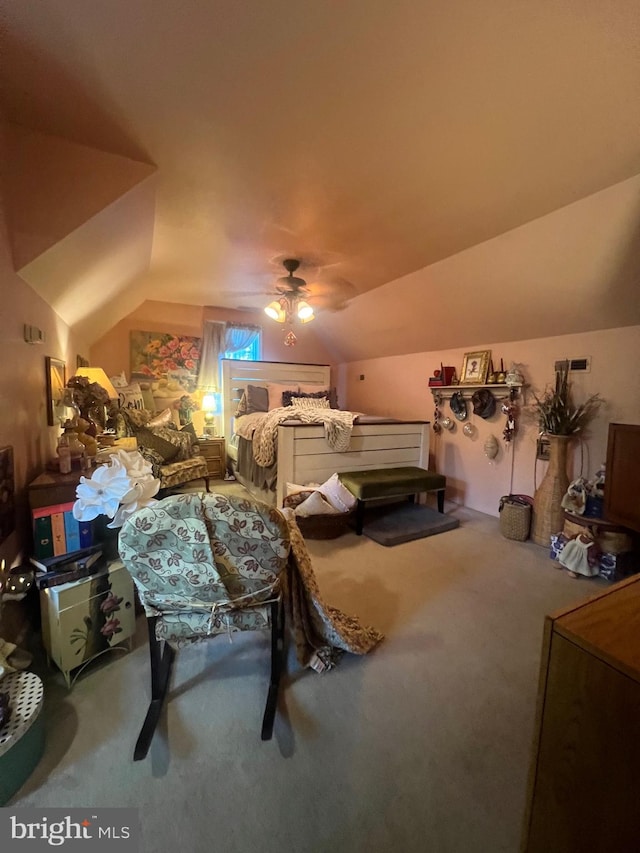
(211, 403)
(276, 311)
(304, 312)
(97, 374)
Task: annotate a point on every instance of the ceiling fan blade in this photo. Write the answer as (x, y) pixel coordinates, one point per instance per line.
(332, 294)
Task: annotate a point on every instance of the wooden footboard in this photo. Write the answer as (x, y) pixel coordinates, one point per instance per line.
(305, 457)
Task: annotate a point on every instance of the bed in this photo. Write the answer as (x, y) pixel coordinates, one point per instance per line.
(303, 454)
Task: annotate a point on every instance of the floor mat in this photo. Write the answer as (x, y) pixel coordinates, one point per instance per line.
(403, 524)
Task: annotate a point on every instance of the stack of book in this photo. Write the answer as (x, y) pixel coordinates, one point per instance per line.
(56, 531)
(64, 568)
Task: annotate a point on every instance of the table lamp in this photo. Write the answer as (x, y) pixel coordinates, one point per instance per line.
(211, 407)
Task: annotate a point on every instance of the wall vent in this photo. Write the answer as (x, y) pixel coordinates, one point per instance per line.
(576, 365)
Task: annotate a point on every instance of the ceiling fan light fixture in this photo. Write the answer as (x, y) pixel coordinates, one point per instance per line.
(276, 311)
(304, 311)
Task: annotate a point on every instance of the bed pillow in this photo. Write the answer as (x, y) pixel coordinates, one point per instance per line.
(295, 488)
(293, 501)
(130, 396)
(304, 402)
(255, 398)
(331, 393)
(190, 430)
(316, 504)
(119, 381)
(163, 419)
(276, 392)
(155, 459)
(150, 440)
(338, 495)
(179, 439)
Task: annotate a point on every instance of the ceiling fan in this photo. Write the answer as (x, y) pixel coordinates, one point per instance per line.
(292, 293)
(322, 290)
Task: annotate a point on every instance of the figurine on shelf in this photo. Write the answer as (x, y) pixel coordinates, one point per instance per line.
(88, 441)
(436, 380)
(70, 440)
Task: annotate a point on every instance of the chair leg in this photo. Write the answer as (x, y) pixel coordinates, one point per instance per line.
(206, 483)
(160, 671)
(441, 500)
(277, 665)
(359, 517)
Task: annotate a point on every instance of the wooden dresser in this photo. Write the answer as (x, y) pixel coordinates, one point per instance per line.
(584, 783)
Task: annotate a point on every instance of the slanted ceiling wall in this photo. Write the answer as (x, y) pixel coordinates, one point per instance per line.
(80, 224)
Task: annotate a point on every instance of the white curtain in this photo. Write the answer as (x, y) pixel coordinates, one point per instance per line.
(238, 338)
(213, 345)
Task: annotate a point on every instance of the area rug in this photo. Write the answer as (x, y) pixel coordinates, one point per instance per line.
(392, 526)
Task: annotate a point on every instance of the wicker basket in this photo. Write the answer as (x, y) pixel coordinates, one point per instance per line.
(319, 526)
(324, 526)
(515, 517)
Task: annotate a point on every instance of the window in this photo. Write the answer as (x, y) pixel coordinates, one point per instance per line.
(251, 352)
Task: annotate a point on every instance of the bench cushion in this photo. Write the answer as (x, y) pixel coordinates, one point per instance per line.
(391, 482)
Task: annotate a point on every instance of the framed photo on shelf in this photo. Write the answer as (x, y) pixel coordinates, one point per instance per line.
(55, 370)
(474, 367)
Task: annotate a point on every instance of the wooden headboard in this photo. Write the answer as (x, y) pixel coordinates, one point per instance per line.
(237, 374)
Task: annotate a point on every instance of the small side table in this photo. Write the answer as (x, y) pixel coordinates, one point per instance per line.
(213, 450)
(22, 738)
(85, 618)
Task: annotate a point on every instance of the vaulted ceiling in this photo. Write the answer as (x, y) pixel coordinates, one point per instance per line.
(208, 140)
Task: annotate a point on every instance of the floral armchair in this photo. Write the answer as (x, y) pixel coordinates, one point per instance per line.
(173, 453)
(206, 565)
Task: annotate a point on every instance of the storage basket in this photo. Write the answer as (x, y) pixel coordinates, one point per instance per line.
(324, 526)
(321, 526)
(515, 517)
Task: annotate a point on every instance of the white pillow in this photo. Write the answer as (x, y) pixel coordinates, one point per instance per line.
(316, 504)
(310, 403)
(119, 381)
(294, 488)
(338, 495)
(130, 396)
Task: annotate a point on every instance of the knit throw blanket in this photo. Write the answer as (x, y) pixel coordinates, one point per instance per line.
(337, 429)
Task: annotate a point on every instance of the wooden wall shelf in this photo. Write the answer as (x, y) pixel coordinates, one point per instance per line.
(446, 391)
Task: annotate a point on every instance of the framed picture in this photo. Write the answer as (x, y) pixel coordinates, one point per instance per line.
(81, 361)
(56, 378)
(157, 355)
(474, 367)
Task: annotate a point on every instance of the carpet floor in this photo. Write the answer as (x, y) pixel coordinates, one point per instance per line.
(423, 745)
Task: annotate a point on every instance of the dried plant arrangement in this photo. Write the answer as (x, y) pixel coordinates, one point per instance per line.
(556, 412)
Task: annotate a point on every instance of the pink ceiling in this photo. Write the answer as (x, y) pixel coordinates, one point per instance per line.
(374, 138)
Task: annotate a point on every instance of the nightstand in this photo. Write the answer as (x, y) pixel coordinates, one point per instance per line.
(84, 618)
(213, 450)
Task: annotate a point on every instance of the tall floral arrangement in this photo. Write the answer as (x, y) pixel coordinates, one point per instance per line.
(87, 394)
(555, 411)
(116, 490)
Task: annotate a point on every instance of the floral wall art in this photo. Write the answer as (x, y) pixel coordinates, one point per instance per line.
(156, 355)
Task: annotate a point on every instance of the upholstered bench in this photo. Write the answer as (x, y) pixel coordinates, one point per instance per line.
(391, 483)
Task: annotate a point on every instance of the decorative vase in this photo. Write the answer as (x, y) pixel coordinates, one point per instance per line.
(548, 514)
